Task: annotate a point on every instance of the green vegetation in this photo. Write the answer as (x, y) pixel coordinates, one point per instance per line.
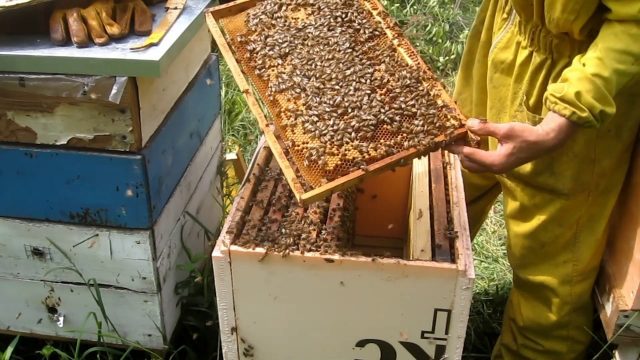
(491, 288)
(194, 338)
(438, 29)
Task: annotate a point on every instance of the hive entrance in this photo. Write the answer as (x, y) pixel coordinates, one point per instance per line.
(341, 87)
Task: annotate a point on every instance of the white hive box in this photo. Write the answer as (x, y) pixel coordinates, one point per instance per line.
(317, 307)
(137, 270)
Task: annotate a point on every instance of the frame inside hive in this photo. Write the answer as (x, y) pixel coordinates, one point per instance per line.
(377, 218)
(227, 21)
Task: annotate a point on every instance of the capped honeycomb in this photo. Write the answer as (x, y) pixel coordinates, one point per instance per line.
(341, 85)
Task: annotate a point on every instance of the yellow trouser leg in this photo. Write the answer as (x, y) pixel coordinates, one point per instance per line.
(556, 207)
(481, 191)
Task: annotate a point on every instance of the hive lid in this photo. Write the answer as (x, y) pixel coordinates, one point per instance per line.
(15, 4)
(36, 54)
(414, 115)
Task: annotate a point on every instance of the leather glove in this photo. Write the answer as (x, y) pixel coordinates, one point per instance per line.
(97, 20)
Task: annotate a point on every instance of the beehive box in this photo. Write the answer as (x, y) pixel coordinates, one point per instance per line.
(125, 111)
(341, 278)
(136, 270)
(618, 284)
(338, 91)
(111, 188)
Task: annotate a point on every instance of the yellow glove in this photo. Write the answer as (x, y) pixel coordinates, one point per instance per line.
(142, 17)
(97, 21)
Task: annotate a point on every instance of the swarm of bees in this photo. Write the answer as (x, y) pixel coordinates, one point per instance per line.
(345, 95)
(324, 227)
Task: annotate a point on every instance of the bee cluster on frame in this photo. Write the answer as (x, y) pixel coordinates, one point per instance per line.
(345, 95)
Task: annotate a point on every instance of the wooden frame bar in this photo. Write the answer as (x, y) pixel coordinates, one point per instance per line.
(419, 215)
(441, 245)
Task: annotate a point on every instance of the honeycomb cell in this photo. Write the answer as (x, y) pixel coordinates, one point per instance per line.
(341, 84)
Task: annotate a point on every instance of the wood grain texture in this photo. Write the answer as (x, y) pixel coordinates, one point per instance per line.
(621, 261)
(158, 94)
(620, 324)
(173, 146)
(247, 191)
(382, 203)
(441, 245)
(126, 126)
(259, 205)
(103, 188)
(211, 146)
(114, 257)
(618, 284)
(23, 311)
(73, 186)
(195, 235)
(463, 252)
(420, 214)
(400, 159)
(110, 126)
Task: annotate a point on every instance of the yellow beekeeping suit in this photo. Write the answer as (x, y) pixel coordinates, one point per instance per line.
(580, 59)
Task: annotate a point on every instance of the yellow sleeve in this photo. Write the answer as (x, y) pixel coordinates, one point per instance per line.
(586, 89)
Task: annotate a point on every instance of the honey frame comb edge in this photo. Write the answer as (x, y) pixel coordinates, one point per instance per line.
(215, 13)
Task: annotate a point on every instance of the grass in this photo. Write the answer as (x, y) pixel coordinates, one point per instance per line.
(438, 29)
(194, 338)
(240, 127)
(492, 284)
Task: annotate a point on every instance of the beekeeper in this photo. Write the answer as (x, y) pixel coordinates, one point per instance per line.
(558, 84)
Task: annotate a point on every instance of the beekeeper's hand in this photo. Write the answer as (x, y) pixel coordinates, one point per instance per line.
(98, 21)
(518, 143)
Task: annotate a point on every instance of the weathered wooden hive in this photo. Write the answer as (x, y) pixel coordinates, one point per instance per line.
(381, 267)
(104, 152)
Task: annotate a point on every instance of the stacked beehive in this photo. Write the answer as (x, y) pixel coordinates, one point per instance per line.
(105, 169)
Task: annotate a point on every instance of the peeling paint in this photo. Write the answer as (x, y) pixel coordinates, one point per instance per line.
(67, 124)
(11, 131)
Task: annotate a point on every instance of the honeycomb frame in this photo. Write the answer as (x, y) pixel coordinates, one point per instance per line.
(306, 183)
